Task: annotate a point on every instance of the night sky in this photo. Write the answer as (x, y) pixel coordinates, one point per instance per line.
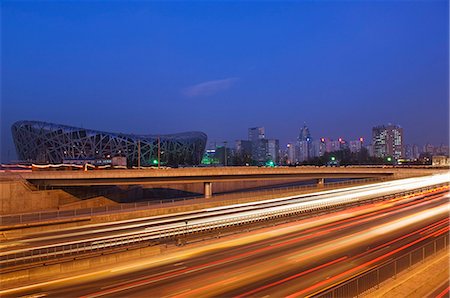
(221, 67)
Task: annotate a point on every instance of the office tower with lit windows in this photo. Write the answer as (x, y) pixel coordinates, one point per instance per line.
(273, 150)
(304, 147)
(260, 151)
(356, 145)
(259, 145)
(318, 147)
(290, 150)
(387, 141)
(335, 145)
(244, 149)
(256, 133)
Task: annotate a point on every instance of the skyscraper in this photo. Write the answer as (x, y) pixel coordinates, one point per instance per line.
(356, 145)
(259, 145)
(304, 134)
(244, 149)
(256, 133)
(273, 150)
(318, 147)
(260, 151)
(304, 144)
(290, 149)
(387, 141)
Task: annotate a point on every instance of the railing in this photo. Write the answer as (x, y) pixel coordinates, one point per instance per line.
(181, 228)
(232, 198)
(371, 280)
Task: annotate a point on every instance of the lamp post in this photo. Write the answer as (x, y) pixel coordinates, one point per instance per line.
(139, 154)
(225, 152)
(159, 152)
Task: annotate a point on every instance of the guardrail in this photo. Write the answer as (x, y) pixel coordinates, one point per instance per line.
(371, 280)
(161, 233)
(127, 207)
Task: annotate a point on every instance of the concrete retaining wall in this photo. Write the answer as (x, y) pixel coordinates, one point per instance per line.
(17, 197)
(89, 203)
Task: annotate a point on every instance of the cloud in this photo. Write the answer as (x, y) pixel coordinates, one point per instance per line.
(209, 87)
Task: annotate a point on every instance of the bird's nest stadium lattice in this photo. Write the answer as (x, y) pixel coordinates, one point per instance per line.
(41, 142)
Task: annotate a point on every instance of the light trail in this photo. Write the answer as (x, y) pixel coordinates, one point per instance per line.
(408, 220)
(182, 216)
(356, 221)
(443, 293)
(291, 277)
(265, 287)
(196, 225)
(317, 250)
(321, 250)
(195, 217)
(312, 252)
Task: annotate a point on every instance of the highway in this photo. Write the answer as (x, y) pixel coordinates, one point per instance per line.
(293, 259)
(92, 238)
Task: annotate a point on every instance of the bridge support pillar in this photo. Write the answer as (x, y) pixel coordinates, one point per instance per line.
(320, 182)
(208, 189)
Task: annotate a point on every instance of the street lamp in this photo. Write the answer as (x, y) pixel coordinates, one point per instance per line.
(139, 154)
(225, 152)
(159, 152)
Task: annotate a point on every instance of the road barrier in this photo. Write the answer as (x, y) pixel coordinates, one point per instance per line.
(372, 279)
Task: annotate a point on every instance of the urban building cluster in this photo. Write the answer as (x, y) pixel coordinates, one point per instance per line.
(48, 143)
(386, 146)
(256, 150)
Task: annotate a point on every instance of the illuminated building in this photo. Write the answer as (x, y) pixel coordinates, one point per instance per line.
(273, 150)
(41, 142)
(304, 144)
(356, 145)
(244, 149)
(256, 133)
(387, 141)
(290, 153)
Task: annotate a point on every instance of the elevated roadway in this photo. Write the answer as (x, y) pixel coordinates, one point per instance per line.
(208, 176)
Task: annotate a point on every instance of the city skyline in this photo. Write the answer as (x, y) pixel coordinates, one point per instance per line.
(367, 136)
(366, 140)
(341, 67)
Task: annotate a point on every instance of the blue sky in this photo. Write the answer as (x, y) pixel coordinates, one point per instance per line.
(221, 67)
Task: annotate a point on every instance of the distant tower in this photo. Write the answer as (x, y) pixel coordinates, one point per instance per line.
(304, 144)
(273, 150)
(387, 141)
(259, 143)
(304, 134)
(290, 151)
(256, 133)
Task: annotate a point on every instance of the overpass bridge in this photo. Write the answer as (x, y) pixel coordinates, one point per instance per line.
(208, 176)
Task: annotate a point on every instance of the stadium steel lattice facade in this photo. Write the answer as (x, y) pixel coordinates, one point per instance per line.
(42, 142)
